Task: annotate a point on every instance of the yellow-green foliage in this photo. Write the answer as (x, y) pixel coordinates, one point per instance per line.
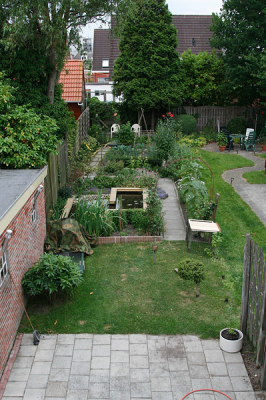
(193, 142)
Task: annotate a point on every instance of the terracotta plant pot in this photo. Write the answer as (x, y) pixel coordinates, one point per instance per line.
(222, 148)
(231, 346)
(263, 146)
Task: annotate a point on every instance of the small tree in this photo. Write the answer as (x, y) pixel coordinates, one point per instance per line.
(52, 275)
(192, 270)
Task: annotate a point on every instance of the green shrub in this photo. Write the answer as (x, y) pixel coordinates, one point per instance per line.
(52, 275)
(191, 270)
(237, 126)
(125, 135)
(164, 138)
(188, 123)
(193, 141)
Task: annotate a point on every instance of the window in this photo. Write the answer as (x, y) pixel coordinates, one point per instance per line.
(3, 267)
(105, 62)
(34, 212)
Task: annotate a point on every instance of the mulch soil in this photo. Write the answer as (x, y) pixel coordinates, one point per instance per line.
(254, 373)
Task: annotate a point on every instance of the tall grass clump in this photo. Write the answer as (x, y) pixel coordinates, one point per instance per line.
(94, 216)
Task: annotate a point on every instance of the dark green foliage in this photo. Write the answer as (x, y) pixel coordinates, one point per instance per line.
(191, 270)
(164, 138)
(154, 213)
(188, 123)
(204, 80)
(147, 69)
(52, 275)
(240, 30)
(102, 109)
(237, 126)
(26, 138)
(125, 135)
(114, 166)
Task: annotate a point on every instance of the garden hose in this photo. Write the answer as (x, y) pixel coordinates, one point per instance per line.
(207, 390)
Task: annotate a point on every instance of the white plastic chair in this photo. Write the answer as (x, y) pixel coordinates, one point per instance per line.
(136, 129)
(114, 128)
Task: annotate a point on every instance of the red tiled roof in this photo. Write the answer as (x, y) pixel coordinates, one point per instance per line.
(72, 78)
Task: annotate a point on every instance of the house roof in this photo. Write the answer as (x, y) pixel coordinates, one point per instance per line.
(17, 186)
(101, 49)
(191, 27)
(72, 79)
(192, 33)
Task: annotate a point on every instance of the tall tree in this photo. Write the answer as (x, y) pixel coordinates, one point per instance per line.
(50, 26)
(204, 80)
(147, 68)
(240, 30)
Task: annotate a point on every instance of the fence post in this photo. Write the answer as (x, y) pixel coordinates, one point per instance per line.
(245, 285)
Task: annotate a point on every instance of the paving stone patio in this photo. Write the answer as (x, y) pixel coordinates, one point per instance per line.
(125, 367)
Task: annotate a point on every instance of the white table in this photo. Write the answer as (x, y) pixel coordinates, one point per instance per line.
(197, 225)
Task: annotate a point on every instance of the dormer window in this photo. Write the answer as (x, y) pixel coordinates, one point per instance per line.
(105, 62)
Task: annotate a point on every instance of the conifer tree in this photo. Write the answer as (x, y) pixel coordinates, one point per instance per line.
(147, 70)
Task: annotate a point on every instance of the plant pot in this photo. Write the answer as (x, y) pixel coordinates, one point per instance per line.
(263, 146)
(229, 345)
(222, 148)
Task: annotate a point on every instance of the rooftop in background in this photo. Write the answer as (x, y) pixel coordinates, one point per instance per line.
(72, 78)
(192, 33)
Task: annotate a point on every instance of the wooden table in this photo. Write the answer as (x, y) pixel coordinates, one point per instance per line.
(197, 225)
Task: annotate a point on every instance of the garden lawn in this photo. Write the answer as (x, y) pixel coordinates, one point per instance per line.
(256, 177)
(125, 291)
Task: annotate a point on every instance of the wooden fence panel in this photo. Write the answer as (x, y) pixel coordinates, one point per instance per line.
(253, 307)
(222, 115)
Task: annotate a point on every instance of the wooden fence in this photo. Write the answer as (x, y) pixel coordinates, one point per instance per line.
(58, 165)
(82, 129)
(253, 308)
(216, 115)
(57, 175)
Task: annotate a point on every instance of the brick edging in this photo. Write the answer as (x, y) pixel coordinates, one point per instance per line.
(127, 239)
(10, 363)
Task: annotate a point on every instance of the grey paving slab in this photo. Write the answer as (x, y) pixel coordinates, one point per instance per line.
(136, 367)
(174, 224)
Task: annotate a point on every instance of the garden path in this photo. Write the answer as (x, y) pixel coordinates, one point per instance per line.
(253, 194)
(174, 223)
(94, 164)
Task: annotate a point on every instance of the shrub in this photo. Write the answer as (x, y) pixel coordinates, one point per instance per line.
(154, 213)
(125, 135)
(52, 275)
(237, 126)
(188, 123)
(164, 138)
(191, 270)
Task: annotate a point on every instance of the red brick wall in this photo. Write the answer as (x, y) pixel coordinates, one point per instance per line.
(25, 246)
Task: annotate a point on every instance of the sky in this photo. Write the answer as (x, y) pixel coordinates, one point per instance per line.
(176, 7)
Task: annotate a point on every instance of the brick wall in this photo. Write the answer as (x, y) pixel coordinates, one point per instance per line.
(25, 246)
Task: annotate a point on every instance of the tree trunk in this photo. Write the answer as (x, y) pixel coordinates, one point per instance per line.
(152, 119)
(52, 79)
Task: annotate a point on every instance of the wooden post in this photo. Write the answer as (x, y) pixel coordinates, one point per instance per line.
(215, 207)
(245, 285)
(258, 299)
(253, 294)
(261, 339)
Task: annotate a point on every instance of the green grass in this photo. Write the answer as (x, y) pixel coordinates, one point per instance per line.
(124, 291)
(258, 177)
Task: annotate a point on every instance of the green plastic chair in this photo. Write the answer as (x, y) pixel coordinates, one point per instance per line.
(249, 143)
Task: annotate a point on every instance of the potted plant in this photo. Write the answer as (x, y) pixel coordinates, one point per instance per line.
(221, 140)
(263, 139)
(231, 340)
